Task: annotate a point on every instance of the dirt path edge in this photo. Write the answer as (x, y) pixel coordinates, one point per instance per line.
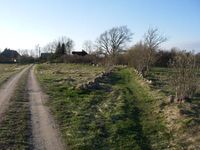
(45, 133)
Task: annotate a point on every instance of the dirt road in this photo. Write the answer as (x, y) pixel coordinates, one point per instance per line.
(7, 90)
(44, 130)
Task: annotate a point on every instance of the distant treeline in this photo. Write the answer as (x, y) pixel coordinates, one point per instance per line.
(110, 48)
(162, 58)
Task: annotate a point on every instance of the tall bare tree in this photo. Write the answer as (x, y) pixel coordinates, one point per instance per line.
(69, 46)
(88, 46)
(50, 47)
(23, 52)
(152, 39)
(113, 41)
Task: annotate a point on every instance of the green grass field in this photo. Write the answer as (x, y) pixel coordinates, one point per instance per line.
(123, 113)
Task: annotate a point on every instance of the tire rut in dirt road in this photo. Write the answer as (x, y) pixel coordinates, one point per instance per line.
(44, 129)
(7, 90)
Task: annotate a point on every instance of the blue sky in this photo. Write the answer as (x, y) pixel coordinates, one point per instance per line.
(25, 23)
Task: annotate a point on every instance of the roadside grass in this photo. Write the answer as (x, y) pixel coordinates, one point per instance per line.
(15, 130)
(7, 70)
(122, 114)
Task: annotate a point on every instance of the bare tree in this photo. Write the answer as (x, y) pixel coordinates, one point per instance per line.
(88, 46)
(51, 47)
(184, 77)
(152, 39)
(69, 46)
(26, 56)
(37, 50)
(113, 41)
(32, 53)
(23, 52)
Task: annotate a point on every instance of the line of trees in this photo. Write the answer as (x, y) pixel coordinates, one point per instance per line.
(112, 48)
(108, 45)
(60, 47)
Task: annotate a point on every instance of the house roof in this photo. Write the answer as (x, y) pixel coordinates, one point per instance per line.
(81, 53)
(10, 53)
